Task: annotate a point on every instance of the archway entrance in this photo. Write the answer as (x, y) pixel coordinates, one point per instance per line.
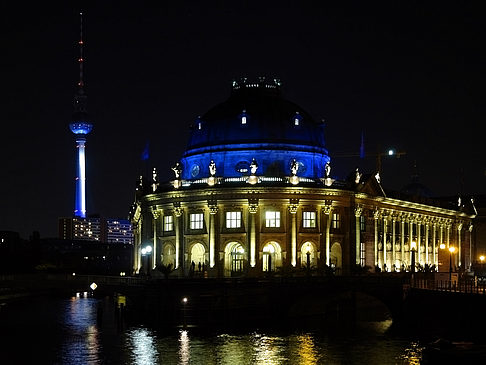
(272, 256)
(336, 258)
(168, 255)
(197, 255)
(234, 259)
(308, 255)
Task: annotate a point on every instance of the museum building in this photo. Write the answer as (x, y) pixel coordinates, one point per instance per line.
(254, 194)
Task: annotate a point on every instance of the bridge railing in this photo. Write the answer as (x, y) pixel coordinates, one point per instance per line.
(461, 286)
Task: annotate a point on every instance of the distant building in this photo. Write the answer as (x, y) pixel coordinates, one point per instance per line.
(254, 194)
(96, 229)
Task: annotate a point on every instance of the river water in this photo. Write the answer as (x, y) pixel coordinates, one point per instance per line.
(87, 330)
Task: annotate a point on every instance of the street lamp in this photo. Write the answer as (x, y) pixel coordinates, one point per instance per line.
(413, 245)
(451, 250)
(146, 251)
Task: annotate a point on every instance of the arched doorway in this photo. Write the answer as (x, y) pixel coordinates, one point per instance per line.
(272, 256)
(197, 255)
(168, 255)
(308, 255)
(234, 259)
(336, 257)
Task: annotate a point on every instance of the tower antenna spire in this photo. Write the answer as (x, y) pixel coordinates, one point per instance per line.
(81, 60)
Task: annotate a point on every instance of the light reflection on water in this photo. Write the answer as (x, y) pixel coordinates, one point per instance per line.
(78, 322)
(77, 336)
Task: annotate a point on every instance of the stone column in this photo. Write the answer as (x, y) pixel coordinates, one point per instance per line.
(470, 246)
(293, 207)
(156, 215)
(394, 232)
(402, 242)
(327, 211)
(410, 240)
(357, 213)
(137, 255)
(459, 244)
(178, 211)
(385, 243)
(427, 258)
(213, 210)
(435, 255)
(419, 241)
(376, 216)
(252, 209)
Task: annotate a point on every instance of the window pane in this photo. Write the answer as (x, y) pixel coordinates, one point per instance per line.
(168, 223)
(196, 221)
(233, 219)
(309, 219)
(272, 219)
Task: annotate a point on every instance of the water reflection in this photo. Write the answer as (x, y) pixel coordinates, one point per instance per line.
(70, 332)
(307, 350)
(184, 348)
(81, 334)
(142, 343)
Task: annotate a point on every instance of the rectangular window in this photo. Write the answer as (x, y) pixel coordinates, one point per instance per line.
(272, 219)
(168, 223)
(336, 221)
(362, 254)
(362, 223)
(309, 219)
(196, 221)
(233, 219)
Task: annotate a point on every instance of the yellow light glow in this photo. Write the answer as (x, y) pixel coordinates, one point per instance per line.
(442, 246)
(481, 258)
(413, 245)
(452, 249)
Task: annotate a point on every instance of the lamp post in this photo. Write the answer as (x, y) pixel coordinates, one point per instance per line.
(413, 244)
(451, 250)
(146, 251)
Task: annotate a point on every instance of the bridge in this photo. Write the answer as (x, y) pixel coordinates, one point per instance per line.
(293, 302)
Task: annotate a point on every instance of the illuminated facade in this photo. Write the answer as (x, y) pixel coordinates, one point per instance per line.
(253, 193)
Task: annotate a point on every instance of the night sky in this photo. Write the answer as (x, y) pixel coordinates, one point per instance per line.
(407, 75)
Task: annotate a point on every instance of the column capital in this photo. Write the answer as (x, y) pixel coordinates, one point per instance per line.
(326, 209)
(178, 210)
(293, 208)
(358, 210)
(213, 209)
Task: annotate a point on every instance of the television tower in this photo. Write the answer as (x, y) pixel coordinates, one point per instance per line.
(80, 126)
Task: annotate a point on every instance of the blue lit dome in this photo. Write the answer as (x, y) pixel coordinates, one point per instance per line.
(255, 122)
